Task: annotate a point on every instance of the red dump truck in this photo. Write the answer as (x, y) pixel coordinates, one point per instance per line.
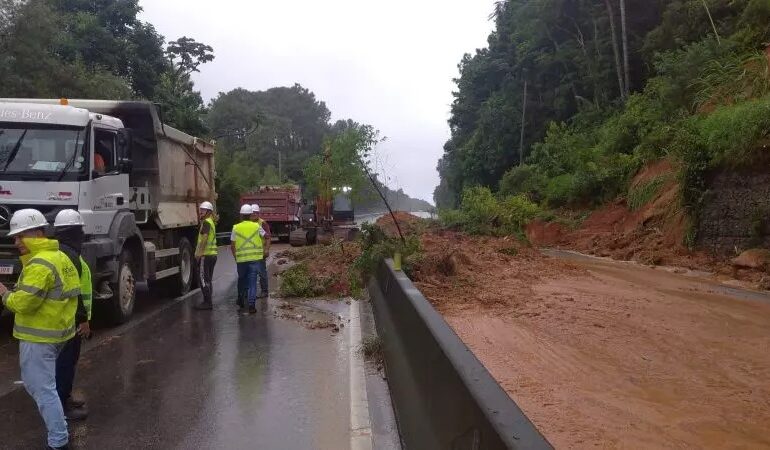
(279, 206)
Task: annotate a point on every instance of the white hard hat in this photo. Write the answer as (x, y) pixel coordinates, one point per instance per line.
(68, 218)
(26, 219)
(255, 208)
(207, 206)
(246, 210)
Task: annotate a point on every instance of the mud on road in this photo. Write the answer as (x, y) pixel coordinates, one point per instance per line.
(605, 354)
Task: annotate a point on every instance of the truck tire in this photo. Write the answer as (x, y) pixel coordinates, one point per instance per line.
(179, 285)
(121, 305)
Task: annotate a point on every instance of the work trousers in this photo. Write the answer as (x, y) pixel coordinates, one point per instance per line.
(247, 281)
(38, 372)
(66, 364)
(262, 275)
(205, 276)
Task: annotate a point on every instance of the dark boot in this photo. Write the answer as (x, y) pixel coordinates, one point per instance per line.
(204, 306)
(75, 414)
(74, 402)
(76, 399)
(252, 309)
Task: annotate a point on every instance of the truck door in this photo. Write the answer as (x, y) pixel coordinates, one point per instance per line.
(107, 192)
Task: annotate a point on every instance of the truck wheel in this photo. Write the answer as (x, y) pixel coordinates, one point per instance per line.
(180, 284)
(124, 292)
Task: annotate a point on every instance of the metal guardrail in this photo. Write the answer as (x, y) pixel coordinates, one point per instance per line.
(443, 396)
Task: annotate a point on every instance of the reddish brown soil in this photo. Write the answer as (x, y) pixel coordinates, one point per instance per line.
(653, 234)
(408, 223)
(605, 354)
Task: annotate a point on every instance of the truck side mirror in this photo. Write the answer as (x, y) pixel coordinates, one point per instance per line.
(125, 140)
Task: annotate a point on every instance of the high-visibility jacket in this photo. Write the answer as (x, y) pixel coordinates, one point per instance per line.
(211, 238)
(248, 242)
(86, 288)
(46, 295)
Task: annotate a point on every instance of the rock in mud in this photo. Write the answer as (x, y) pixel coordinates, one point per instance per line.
(755, 258)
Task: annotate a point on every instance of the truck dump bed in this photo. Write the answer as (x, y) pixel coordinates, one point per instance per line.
(279, 206)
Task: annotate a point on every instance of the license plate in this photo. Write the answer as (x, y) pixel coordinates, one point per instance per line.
(6, 270)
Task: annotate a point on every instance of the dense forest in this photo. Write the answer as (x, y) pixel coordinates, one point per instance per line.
(572, 97)
(101, 49)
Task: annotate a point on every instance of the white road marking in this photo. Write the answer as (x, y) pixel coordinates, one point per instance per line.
(360, 424)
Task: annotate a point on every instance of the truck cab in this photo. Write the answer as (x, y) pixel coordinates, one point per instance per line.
(134, 180)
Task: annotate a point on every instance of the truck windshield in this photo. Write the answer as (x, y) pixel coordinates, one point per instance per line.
(46, 151)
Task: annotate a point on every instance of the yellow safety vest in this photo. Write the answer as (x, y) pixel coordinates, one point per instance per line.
(46, 295)
(248, 242)
(211, 239)
(86, 288)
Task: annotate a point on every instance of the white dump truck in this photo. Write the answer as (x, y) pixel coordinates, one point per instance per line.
(135, 181)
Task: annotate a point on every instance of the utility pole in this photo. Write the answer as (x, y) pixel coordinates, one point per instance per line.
(280, 174)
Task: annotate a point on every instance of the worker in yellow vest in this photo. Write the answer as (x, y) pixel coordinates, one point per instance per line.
(262, 264)
(246, 244)
(44, 302)
(68, 229)
(206, 253)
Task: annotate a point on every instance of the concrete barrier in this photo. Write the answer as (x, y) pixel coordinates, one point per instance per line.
(443, 396)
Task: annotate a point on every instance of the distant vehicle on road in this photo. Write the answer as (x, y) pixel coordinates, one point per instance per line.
(279, 206)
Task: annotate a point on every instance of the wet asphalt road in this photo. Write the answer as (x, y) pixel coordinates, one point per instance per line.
(183, 379)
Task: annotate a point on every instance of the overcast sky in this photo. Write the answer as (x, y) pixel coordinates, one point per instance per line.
(386, 63)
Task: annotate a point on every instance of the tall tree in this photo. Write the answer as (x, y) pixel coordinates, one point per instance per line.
(289, 121)
(626, 68)
(183, 105)
(615, 48)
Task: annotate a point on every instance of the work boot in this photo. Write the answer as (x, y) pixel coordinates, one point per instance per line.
(75, 402)
(204, 306)
(252, 309)
(75, 414)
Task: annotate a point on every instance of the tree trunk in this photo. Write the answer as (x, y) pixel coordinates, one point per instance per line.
(711, 19)
(523, 123)
(626, 73)
(615, 49)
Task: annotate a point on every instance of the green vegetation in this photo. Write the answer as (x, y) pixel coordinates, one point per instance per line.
(643, 193)
(481, 212)
(98, 49)
(349, 151)
(371, 349)
(376, 246)
(592, 119)
(297, 281)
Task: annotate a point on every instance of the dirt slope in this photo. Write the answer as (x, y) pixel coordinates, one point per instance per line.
(654, 233)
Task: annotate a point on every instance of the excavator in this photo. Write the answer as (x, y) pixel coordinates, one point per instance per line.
(331, 216)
